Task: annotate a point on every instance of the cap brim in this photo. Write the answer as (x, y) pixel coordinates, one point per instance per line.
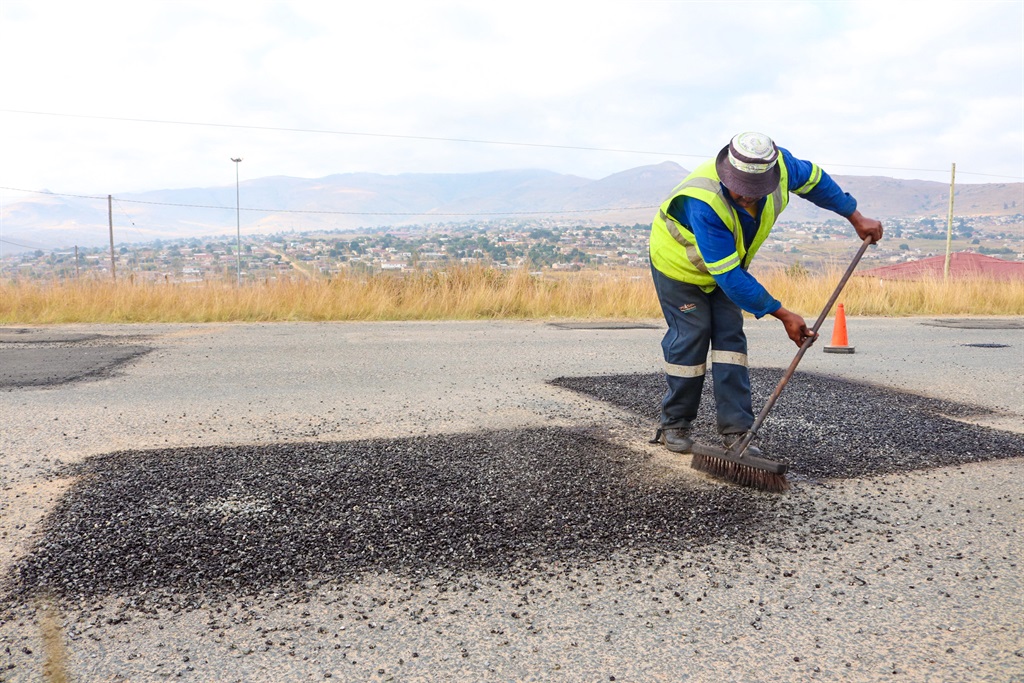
(746, 184)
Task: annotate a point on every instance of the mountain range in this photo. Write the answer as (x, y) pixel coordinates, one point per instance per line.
(355, 201)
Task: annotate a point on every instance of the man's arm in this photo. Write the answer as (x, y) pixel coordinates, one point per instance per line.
(813, 184)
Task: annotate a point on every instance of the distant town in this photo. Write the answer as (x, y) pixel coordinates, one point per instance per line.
(538, 245)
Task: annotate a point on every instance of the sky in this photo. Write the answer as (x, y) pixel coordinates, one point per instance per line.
(127, 96)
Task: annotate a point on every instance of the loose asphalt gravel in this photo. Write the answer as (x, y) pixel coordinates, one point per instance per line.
(478, 501)
(230, 519)
(827, 427)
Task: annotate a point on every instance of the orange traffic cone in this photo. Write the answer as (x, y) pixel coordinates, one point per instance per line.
(839, 342)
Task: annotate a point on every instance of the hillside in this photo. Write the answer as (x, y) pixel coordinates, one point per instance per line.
(361, 200)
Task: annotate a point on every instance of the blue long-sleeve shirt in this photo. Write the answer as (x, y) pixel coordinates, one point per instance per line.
(716, 242)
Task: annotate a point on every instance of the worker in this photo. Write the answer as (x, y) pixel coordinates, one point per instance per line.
(702, 242)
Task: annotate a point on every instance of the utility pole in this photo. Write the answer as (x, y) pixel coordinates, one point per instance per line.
(238, 225)
(110, 219)
(949, 222)
(76, 262)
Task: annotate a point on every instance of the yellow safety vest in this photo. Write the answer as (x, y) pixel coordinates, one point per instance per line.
(674, 250)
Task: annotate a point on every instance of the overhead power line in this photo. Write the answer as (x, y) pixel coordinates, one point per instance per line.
(17, 244)
(341, 213)
(476, 141)
(401, 213)
(349, 132)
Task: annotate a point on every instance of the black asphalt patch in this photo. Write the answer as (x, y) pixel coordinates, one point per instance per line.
(33, 367)
(166, 525)
(978, 324)
(204, 521)
(32, 335)
(606, 325)
(830, 427)
(40, 358)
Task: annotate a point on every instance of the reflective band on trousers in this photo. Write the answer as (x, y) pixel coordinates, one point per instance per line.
(686, 370)
(730, 357)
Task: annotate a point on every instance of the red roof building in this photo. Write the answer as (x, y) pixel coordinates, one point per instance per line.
(962, 264)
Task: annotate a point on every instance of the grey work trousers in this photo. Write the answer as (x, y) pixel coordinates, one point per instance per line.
(696, 321)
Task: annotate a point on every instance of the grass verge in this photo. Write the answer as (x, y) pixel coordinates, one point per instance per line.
(470, 293)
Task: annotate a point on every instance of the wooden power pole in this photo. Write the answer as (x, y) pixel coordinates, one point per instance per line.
(110, 219)
(949, 222)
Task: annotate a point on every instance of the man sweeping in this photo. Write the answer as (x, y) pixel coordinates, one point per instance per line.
(702, 242)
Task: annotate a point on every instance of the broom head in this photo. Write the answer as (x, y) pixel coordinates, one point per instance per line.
(740, 468)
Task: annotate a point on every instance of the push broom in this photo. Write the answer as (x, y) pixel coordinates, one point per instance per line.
(734, 463)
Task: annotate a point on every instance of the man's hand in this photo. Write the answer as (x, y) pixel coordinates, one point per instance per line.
(796, 328)
(866, 227)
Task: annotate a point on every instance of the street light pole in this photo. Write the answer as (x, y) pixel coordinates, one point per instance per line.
(238, 225)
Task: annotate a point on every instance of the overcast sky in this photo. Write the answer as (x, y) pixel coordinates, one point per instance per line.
(862, 88)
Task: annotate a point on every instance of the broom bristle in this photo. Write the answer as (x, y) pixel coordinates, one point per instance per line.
(744, 475)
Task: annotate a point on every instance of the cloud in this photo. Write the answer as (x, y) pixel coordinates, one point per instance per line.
(854, 83)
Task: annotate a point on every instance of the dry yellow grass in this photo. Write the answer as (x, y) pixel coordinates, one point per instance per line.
(873, 297)
(468, 293)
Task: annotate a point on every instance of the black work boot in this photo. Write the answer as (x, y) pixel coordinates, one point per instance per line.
(729, 439)
(676, 439)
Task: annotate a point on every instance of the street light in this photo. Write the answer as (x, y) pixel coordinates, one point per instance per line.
(238, 225)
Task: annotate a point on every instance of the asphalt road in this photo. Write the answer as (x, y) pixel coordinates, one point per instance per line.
(478, 501)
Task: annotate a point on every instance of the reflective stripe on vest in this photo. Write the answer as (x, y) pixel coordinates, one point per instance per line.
(674, 250)
(688, 242)
(812, 182)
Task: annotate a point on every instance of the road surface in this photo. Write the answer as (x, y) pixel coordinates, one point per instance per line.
(424, 502)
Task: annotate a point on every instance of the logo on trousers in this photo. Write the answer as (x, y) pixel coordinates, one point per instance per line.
(686, 308)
